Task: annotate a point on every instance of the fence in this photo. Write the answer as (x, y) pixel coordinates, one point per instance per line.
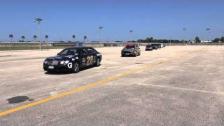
(51, 45)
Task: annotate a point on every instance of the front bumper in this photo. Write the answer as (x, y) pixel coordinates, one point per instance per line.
(148, 49)
(60, 67)
(126, 53)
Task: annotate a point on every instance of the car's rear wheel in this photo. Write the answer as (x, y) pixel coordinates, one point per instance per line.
(75, 67)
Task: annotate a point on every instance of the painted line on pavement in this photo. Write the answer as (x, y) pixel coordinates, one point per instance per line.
(78, 89)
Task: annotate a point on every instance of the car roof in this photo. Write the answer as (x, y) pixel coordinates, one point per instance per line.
(78, 47)
(131, 44)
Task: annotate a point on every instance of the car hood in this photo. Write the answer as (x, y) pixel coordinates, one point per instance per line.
(59, 58)
(128, 50)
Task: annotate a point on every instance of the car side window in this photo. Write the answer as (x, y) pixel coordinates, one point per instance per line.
(91, 51)
(71, 52)
(83, 52)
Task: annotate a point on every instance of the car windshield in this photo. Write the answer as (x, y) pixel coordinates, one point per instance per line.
(130, 46)
(68, 52)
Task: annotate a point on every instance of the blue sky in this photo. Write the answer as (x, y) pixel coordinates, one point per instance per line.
(156, 18)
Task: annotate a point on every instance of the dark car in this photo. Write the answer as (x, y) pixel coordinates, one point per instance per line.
(156, 45)
(149, 47)
(73, 59)
(131, 50)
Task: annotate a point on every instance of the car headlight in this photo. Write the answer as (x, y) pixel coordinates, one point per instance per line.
(45, 62)
(64, 62)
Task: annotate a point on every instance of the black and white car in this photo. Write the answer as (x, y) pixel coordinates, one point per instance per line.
(73, 59)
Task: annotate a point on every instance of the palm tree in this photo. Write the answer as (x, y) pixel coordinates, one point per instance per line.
(38, 21)
(23, 38)
(35, 37)
(208, 30)
(46, 38)
(11, 37)
(73, 36)
(184, 30)
(85, 38)
(100, 31)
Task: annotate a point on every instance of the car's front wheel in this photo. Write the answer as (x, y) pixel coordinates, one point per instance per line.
(50, 71)
(139, 53)
(135, 54)
(97, 62)
(75, 67)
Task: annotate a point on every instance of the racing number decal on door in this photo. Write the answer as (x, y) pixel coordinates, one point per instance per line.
(89, 60)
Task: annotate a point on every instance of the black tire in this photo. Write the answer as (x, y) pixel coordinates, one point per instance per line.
(50, 71)
(97, 62)
(75, 68)
(135, 54)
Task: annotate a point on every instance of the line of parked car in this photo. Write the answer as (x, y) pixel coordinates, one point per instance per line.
(76, 58)
(134, 49)
(154, 46)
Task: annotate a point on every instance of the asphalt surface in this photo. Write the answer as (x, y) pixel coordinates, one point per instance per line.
(173, 86)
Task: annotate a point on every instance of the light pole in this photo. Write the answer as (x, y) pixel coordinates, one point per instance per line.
(38, 21)
(184, 30)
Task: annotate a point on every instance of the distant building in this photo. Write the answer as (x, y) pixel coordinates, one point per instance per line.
(205, 41)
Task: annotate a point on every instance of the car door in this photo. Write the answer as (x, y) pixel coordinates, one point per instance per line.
(83, 56)
(91, 58)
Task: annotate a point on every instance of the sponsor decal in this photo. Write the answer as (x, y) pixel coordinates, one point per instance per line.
(69, 65)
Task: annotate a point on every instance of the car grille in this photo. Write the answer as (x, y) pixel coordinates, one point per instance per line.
(126, 52)
(53, 62)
